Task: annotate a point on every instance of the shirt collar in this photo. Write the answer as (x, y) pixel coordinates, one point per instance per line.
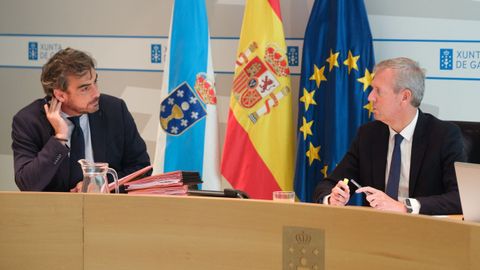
(407, 132)
(81, 119)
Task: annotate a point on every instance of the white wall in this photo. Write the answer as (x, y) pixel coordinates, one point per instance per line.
(119, 35)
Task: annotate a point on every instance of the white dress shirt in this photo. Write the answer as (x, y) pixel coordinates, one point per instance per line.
(85, 125)
(406, 151)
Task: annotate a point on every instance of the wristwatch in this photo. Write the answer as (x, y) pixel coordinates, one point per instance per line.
(408, 205)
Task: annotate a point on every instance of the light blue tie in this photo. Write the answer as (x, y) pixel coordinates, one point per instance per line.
(395, 165)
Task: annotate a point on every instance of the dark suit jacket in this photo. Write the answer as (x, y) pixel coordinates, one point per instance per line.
(436, 145)
(42, 163)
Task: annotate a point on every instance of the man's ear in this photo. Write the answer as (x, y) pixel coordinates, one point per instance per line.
(59, 94)
(407, 95)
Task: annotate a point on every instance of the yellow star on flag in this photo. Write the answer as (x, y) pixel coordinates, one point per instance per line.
(306, 128)
(312, 153)
(351, 61)
(324, 171)
(367, 79)
(317, 75)
(333, 60)
(308, 99)
(369, 107)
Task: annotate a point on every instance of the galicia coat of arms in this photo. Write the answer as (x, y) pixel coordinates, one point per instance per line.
(180, 110)
(205, 89)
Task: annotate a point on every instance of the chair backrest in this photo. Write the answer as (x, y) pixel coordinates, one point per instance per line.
(471, 139)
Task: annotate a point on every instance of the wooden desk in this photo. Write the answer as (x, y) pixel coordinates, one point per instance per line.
(41, 231)
(153, 232)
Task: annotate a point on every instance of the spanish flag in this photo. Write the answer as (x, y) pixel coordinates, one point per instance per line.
(258, 155)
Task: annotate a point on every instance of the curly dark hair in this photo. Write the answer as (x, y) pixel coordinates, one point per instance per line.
(64, 63)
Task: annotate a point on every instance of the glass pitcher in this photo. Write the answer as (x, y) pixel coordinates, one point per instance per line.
(95, 177)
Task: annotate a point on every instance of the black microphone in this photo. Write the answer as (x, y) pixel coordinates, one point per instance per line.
(234, 193)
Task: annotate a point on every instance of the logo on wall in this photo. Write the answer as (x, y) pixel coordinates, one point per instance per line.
(460, 59)
(156, 54)
(32, 51)
(446, 59)
(292, 54)
(42, 51)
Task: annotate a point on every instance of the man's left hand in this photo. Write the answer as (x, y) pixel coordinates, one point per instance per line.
(379, 200)
(78, 187)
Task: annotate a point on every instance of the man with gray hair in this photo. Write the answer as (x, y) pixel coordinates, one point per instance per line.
(74, 121)
(404, 159)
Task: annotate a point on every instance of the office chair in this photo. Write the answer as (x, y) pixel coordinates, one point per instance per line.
(471, 139)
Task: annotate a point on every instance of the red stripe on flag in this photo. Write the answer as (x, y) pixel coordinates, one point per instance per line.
(243, 167)
(275, 4)
(240, 82)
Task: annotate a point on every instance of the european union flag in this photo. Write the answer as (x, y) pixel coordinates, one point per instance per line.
(334, 86)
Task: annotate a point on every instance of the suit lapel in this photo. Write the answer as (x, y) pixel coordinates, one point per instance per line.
(380, 150)
(98, 136)
(419, 145)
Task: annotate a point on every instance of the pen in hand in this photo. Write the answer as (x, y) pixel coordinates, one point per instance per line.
(355, 183)
(358, 186)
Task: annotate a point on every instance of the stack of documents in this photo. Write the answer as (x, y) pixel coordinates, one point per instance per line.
(172, 183)
(130, 177)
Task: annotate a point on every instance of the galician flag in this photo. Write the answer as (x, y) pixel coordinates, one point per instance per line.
(258, 154)
(188, 134)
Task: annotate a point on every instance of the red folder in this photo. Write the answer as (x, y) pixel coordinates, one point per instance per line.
(129, 177)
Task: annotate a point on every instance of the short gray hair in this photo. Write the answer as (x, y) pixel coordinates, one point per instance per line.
(408, 74)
